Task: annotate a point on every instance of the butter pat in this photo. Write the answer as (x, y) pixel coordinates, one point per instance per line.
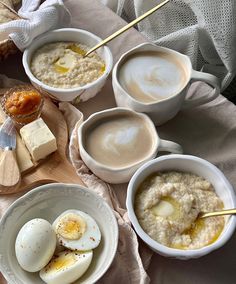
(163, 209)
(38, 139)
(64, 63)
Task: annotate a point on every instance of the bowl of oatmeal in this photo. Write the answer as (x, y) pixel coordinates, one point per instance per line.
(55, 62)
(165, 197)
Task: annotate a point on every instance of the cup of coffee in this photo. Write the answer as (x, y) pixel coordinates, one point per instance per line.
(115, 142)
(154, 80)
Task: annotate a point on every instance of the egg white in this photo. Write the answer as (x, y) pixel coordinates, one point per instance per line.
(35, 244)
(66, 267)
(89, 240)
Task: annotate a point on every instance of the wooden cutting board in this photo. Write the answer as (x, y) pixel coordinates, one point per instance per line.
(55, 167)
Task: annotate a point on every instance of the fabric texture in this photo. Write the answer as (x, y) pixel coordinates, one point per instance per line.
(128, 263)
(36, 19)
(208, 131)
(205, 30)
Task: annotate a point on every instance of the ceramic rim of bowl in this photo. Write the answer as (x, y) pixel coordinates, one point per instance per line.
(136, 50)
(172, 252)
(153, 132)
(31, 76)
(5, 271)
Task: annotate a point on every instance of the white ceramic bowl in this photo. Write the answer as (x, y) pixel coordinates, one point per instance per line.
(121, 174)
(48, 202)
(76, 35)
(196, 166)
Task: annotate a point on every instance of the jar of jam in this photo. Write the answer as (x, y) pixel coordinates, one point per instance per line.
(23, 104)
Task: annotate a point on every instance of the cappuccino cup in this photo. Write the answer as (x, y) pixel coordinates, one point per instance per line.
(115, 142)
(154, 80)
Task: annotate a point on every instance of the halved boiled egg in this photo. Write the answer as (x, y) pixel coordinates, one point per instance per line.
(77, 230)
(66, 267)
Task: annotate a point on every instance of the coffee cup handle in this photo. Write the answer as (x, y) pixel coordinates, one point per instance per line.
(169, 146)
(209, 79)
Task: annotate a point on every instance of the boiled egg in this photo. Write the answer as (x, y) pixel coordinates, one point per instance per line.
(77, 230)
(66, 267)
(35, 244)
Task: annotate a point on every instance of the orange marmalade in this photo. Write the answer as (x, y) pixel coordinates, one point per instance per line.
(23, 102)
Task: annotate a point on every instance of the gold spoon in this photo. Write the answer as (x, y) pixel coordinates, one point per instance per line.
(217, 213)
(125, 28)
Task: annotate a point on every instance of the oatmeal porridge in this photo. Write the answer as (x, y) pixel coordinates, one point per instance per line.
(62, 65)
(167, 205)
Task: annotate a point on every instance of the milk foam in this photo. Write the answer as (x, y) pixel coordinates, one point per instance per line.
(152, 76)
(116, 139)
(119, 141)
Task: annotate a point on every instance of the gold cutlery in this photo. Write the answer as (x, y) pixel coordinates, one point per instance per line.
(125, 28)
(217, 213)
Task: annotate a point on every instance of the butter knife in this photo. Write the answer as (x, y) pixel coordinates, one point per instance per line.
(9, 169)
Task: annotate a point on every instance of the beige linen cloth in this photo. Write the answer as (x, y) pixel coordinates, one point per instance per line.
(208, 131)
(128, 266)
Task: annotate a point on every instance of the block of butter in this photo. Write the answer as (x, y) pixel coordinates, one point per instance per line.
(38, 139)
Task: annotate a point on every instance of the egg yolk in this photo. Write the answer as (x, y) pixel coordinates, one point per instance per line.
(63, 261)
(71, 227)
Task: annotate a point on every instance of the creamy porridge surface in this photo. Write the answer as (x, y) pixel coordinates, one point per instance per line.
(62, 65)
(167, 205)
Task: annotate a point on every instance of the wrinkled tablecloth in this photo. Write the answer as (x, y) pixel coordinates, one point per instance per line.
(128, 247)
(208, 131)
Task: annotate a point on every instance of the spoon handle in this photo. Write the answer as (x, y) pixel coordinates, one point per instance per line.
(125, 28)
(219, 213)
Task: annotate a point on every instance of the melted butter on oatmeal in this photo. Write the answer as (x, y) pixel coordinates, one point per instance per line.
(103, 68)
(163, 208)
(60, 69)
(197, 228)
(167, 207)
(63, 65)
(184, 195)
(77, 49)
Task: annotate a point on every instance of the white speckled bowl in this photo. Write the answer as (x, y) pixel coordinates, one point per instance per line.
(47, 202)
(196, 166)
(76, 35)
